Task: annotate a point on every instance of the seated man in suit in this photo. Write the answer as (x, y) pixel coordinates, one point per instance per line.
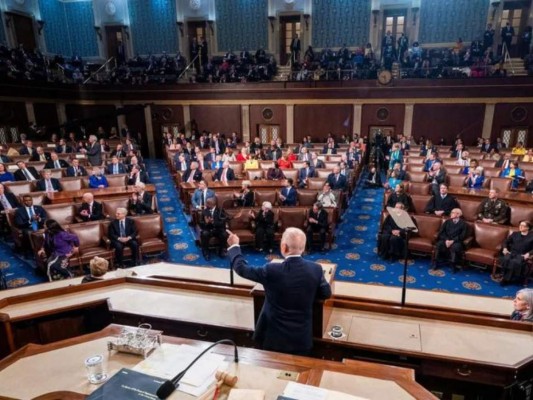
(55, 162)
(288, 194)
(429, 162)
(392, 239)
(192, 174)
(442, 204)
(291, 289)
(246, 197)
(140, 202)
(317, 222)
(493, 210)
(304, 173)
(450, 240)
(47, 183)
(90, 210)
(28, 149)
(224, 174)
(329, 149)
(275, 173)
(213, 224)
(118, 151)
(29, 218)
(201, 195)
(63, 147)
(8, 201)
(137, 175)
(123, 233)
(264, 231)
(116, 167)
(25, 173)
(181, 163)
(40, 155)
(514, 173)
(76, 169)
(336, 180)
(316, 162)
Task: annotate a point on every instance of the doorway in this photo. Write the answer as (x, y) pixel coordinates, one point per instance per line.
(385, 131)
(512, 135)
(196, 32)
(516, 13)
(288, 27)
(23, 30)
(268, 132)
(115, 43)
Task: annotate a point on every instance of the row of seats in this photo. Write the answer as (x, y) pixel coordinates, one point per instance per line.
(458, 180)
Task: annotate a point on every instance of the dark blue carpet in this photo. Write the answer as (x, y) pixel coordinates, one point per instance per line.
(354, 250)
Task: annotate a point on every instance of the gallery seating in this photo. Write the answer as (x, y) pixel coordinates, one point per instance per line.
(152, 238)
(486, 245)
(423, 241)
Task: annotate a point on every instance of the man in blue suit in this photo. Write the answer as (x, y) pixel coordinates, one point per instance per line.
(200, 195)
(48, 184)
(306, 172)
(336, 180)
(116, 167)
(288, 194)
(291, 288)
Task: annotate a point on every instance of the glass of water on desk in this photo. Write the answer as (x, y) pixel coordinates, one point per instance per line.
(95, 369)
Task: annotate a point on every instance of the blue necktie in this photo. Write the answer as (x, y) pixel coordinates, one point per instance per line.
(122, 229)
(34, 224)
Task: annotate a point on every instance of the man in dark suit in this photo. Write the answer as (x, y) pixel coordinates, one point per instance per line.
(213, 224)
(288, 194)
(25, 173)
(29, 218)
(291, 288)
(504, 162)
(329, 149)
(90, 210)
(274, 153)
(224, 174)
(137, 175)
(47, 183)
(295, 49)
(436, 176)
(94, 151)
(40, 155)
(28, 149)
(119, 151)
(336, 180)
(442, 204)
(304, 173)
(76, 169)
(116, 167)
(218, 144)
(140, 202)
(316, 162)
(450, 240)
(123, 233)
(55, 162)
(8, 201)
(64, 148)
(192, 174)
(507, 35)
(317, 221)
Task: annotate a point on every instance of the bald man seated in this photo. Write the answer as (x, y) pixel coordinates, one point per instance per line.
(291, 287)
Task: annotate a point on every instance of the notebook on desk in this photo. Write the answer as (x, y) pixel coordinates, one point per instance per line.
(127, 384)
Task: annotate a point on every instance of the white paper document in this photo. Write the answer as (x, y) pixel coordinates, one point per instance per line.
(299, 391)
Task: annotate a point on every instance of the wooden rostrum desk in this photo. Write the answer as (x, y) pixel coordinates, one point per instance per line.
(75, 196)
(450, 349)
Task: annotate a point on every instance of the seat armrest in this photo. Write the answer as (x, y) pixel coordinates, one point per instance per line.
(467, 243)
(107, 242)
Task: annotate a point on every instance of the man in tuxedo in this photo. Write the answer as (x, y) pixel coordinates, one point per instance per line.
(224, 174)
(116, 167)
(90, 210)
(137, 175)
(94, 151)
(443, 204)
(193, 174)
(288, 194)
(63, 147)
(29, 218)
(55, 162)
(123, 233)
(140, 202)
(25, 173)
(47, 183)
(304, 173)
(40, 155)
(336, 180)
(291, 287)
(76, 169)
(317, 221)
(201, 195)
(213, 224)
(450, 240)
(8, 201)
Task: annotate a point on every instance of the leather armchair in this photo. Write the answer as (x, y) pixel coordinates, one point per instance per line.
(486, 246)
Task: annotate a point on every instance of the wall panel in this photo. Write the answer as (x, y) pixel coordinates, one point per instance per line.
(161, 115)
(223, 119)
(382, 115)
(319, 120)
(13, 114)
(513, 115)
(91, 117)
(46, 115)
(434, 121)
(279, 117)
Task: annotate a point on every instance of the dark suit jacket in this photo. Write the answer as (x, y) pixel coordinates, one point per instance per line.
(285, 322)
(50, 164)
(5, 159)
(319, 164)
(41, 185)
(143, 178)
(68, 149)
(97, 213)
(453, 231)
(197, 177)
(290, 198)
(12, 199)
(326, 148)
(19, 175)
(81, 171)
(25, 150)
(121, 169)
(274, 154)
(439, 204)
(142, 206)
(230, 175)
(94, 154)
(247, 200)
(321, 216)
(335, 184)
(114, 229)
(275, 174)
(37, 157)
(22, 219)
(219, 220)
(302, 174)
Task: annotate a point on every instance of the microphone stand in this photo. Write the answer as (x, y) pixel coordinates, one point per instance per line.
(169, 386)
(406, 255)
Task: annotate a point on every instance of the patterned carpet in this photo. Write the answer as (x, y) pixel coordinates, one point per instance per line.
(354, 251)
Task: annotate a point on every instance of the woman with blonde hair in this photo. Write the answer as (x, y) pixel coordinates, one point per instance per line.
(98, 267)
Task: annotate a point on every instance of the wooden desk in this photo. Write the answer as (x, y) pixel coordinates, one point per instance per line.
(58, 368)
(519, 198)
(75, 196)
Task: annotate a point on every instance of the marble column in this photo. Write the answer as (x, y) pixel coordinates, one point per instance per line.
(357, 117)
(408, 120)
(245, 122)
(187, 119)
(290, 123)
(488, 120)
(149, 130)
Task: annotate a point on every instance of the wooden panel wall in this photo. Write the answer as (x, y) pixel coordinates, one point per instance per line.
(435, 121)
(279, 117)
(507, 115)
(382, 115)
(319, 120)
(13, 114)
(223, 119)
(164, 114)
(91, 117)
(46, 115)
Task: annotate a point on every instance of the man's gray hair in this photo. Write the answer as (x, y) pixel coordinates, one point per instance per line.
(267, 205)
(295, 239)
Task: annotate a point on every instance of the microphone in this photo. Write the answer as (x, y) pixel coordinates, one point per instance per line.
(169, 386)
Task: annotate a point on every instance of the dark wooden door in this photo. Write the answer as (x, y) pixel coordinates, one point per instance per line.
(196, 29)
(115, 43)
(288, 27)
(24, 33)
(268, 132)
(516, 13)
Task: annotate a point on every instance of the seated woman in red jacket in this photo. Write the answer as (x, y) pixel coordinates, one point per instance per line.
(242, 156)
(283, 163)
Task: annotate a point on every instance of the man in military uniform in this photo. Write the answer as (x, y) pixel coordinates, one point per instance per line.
(493, 210)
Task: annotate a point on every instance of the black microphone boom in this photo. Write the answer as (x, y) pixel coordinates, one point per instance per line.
(169, 386)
